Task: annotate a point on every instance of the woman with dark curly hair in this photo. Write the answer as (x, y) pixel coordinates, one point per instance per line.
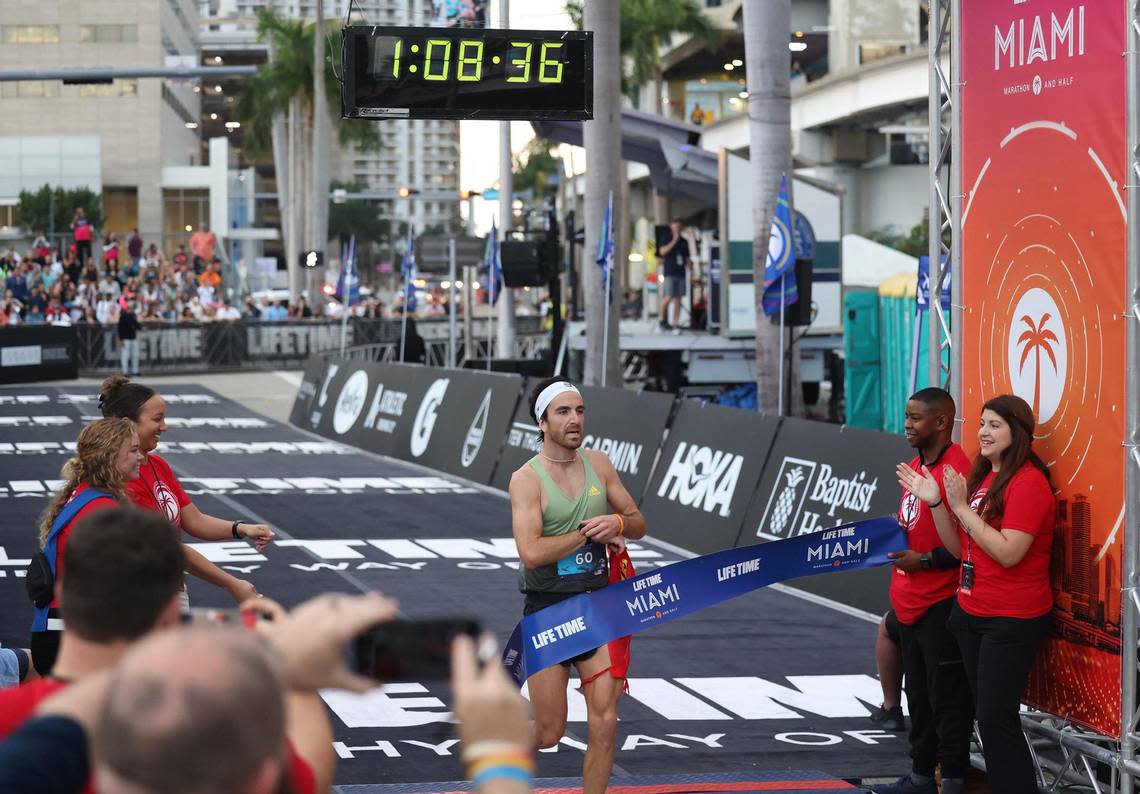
(999, 521)
(106, 459)
(157, 488)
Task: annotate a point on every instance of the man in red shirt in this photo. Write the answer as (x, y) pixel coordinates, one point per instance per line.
(203, 243)
(923, 587)
(124, 573)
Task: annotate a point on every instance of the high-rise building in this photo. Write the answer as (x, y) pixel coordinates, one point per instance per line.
(1111, 593)
(1096, 606)
(1080, 564)
(1060, 535)
(125, 139)
(422, 155)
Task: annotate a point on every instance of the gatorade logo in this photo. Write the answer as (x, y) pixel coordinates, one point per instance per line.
(475, 433)
(426, 416)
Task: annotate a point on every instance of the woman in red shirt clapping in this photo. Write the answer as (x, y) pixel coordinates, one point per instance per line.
(999, 522)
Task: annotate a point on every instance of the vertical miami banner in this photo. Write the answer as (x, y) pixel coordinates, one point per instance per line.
(1043, 233)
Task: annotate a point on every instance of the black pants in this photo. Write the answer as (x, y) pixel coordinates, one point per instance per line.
(998, 654)
(44, 647)
(83, 251)
(938, 694)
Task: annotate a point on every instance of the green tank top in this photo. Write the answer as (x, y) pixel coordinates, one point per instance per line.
(585, 568)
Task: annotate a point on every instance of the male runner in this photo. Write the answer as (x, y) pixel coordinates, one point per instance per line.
(923, 588)
(562, 525)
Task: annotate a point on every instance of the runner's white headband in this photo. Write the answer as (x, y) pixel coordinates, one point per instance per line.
(549, 393)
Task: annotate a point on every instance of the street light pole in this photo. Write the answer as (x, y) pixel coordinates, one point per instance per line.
(506, 199)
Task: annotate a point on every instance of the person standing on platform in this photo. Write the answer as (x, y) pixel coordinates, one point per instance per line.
(923, 584)
(1003, 534)
(567, 506)
(674, 256)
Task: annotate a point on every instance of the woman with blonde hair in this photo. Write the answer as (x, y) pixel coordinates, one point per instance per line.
(106, 458)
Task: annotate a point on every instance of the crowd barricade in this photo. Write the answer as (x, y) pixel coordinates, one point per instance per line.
(707, 477)
(707, 474)
(818, 476)
(37, 352)
(224, 345)
(451, 420)
(626, 425)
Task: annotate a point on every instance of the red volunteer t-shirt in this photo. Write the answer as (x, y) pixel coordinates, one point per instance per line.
(18, 705)
(914, 593)
(156, 488)
(100, 503)
(1022, 591)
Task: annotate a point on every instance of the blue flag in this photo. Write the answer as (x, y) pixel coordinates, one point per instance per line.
(408, 267)
(779, 271)
(605, 256)
(348, 276)
(493, 264)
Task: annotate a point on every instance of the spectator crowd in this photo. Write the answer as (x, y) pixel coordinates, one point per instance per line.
(66, 287)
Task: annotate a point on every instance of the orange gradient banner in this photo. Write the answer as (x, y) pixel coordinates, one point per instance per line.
(1043, 236)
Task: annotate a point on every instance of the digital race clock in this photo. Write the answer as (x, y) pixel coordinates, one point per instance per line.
(465, 73)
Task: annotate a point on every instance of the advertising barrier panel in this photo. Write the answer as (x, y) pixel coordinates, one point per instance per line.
(818, 476)
(311, 380)
(708, 471)
(446, 419)
(37, 352)
(628, 426)
(1044, 250)
(461, 421)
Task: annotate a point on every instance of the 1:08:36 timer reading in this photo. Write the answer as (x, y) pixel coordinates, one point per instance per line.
(466, 60)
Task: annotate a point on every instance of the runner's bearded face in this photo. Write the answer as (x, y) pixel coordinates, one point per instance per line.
(151, 423)
(565, 423)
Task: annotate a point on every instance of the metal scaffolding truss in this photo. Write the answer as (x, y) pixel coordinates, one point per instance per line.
(1067, 757)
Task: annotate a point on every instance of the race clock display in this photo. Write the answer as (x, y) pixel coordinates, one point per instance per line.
(457, 73)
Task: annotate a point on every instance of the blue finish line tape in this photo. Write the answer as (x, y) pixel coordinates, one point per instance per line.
(627, 607)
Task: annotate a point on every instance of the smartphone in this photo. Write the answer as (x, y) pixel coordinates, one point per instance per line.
(212, 616)
(410, 650)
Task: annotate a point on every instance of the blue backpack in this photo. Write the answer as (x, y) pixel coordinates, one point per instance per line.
(39, 578)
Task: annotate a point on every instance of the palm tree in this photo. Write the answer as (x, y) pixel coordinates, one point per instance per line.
(276, 109)
(647, 25)
(1036, 339)
(767, 24)
(640, 27)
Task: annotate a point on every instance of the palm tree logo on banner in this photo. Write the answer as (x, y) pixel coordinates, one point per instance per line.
(1038, 353)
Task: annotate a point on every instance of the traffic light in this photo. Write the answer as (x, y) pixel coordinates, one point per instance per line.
(312, 258)
(406, 191)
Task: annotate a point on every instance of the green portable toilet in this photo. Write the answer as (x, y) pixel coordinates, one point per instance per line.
(896, 332)
(861, 351)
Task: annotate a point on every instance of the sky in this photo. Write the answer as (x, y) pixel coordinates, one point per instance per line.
(479, 140)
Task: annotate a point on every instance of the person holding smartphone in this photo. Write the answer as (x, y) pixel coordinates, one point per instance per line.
(567, 506)
(999, 521)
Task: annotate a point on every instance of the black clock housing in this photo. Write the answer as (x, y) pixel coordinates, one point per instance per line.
(467, 73)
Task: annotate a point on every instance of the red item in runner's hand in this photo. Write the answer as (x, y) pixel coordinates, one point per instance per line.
(621, 567)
